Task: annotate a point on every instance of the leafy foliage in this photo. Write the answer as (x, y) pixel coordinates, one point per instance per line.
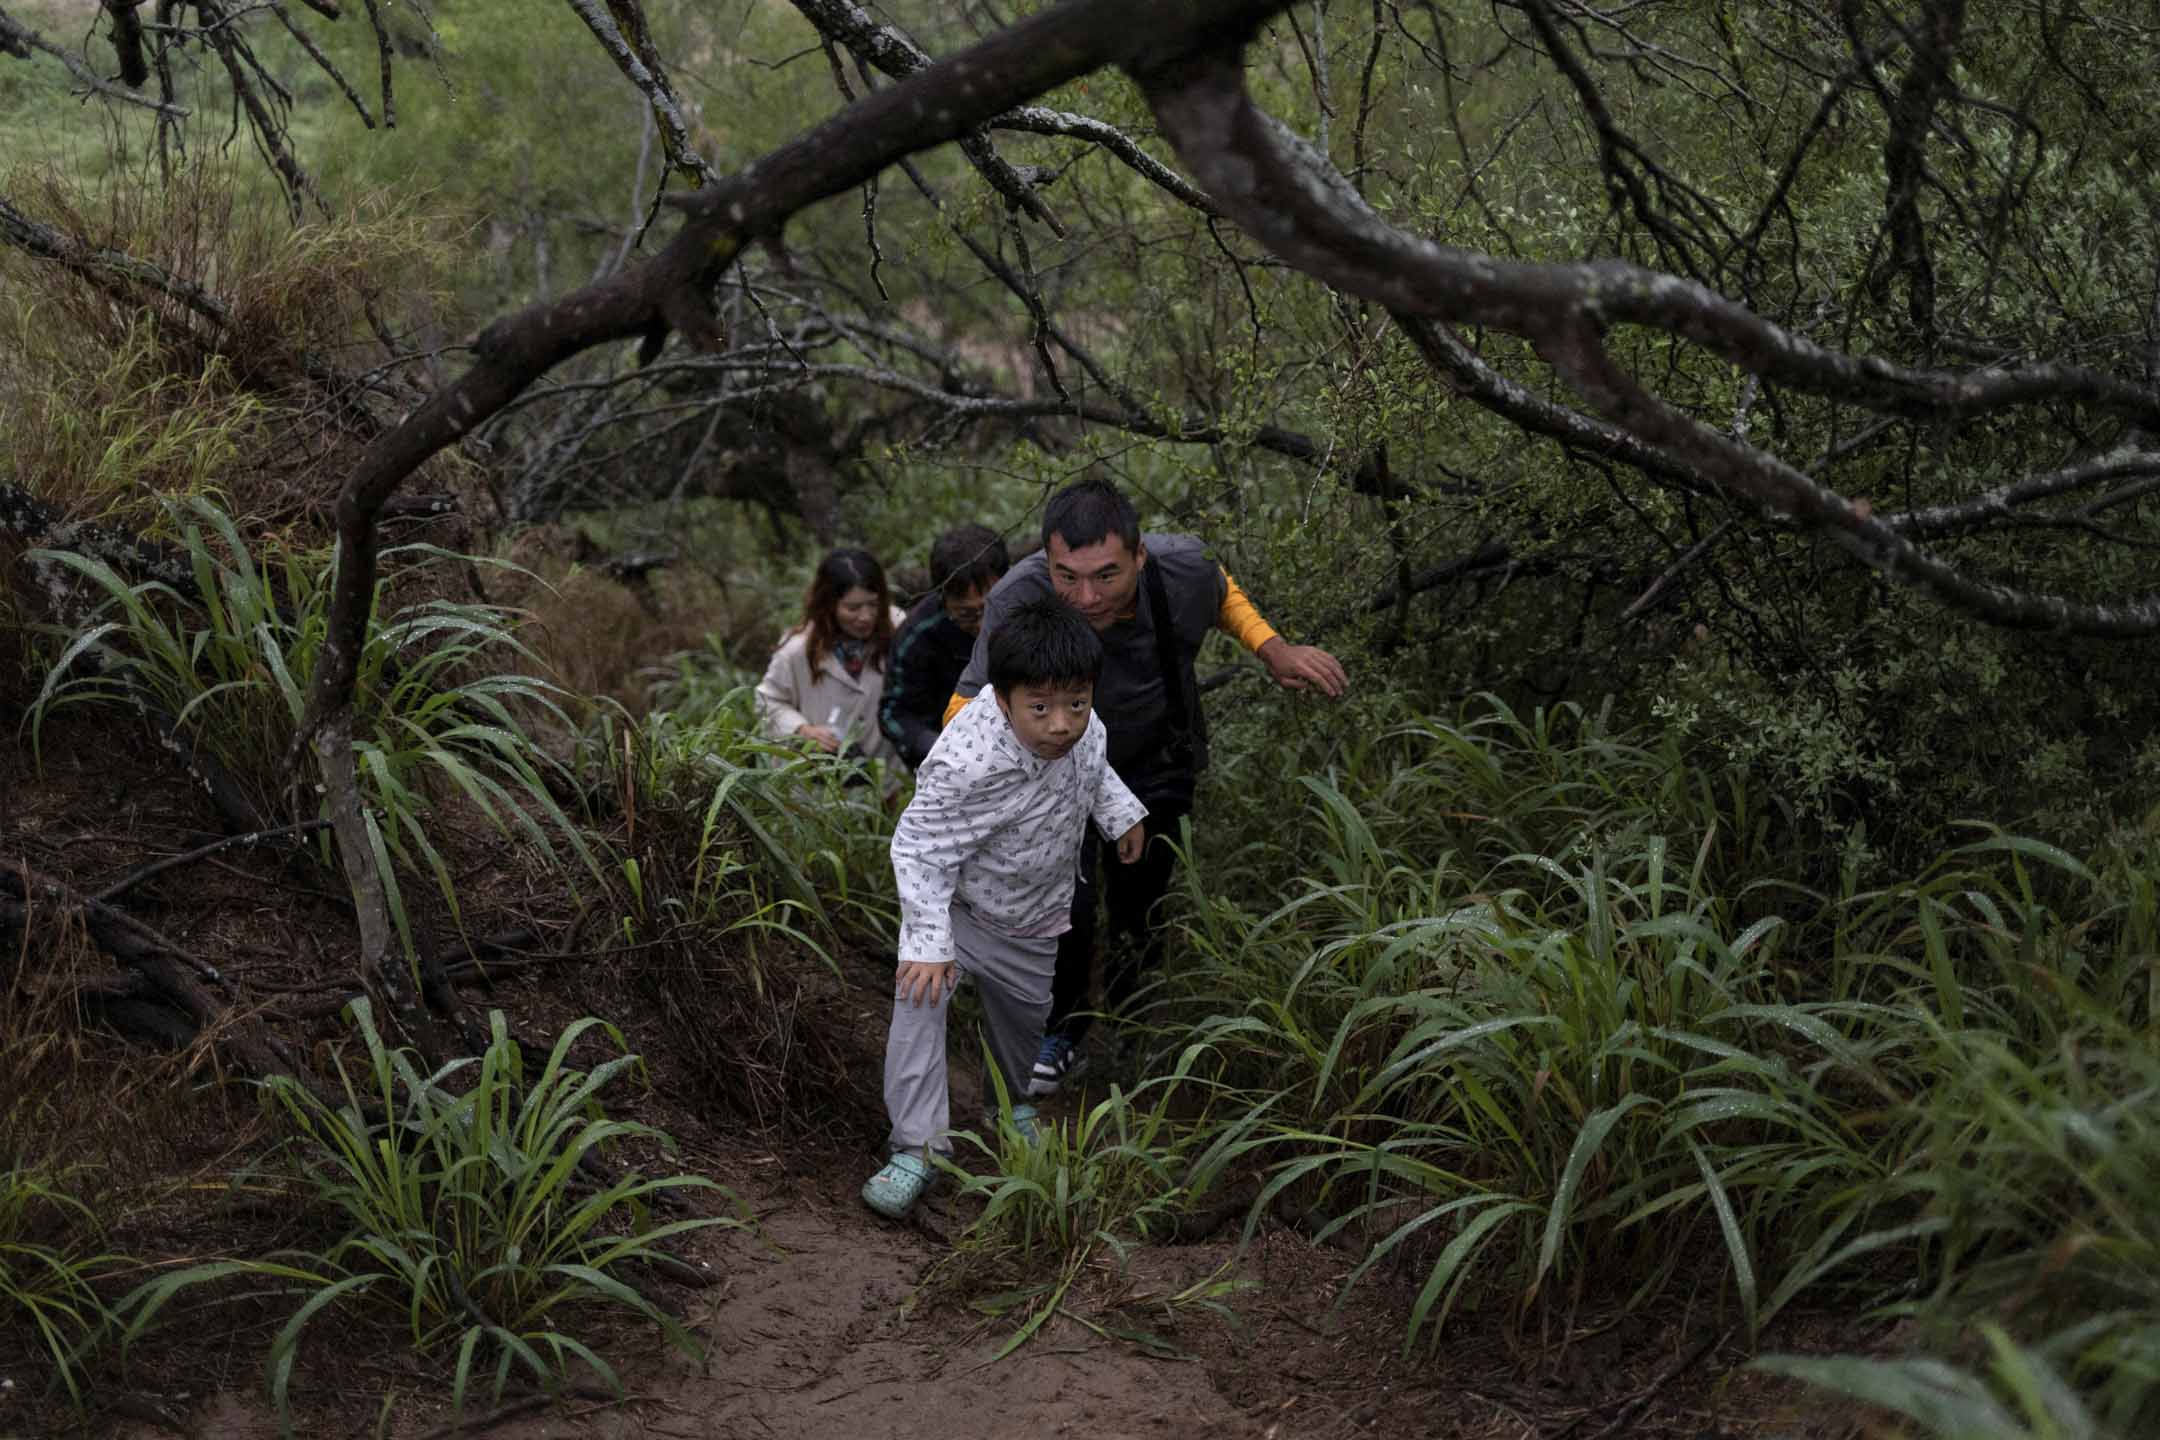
(440, 710)
(1541, 1000)
(48, 1269)
(465, 1211)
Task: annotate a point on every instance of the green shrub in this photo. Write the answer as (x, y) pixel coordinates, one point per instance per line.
(48, 1270)
(439, 708)
(465, 1212)
(1635, 1045)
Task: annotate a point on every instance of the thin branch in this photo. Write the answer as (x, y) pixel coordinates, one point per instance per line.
(19, 40)
(640, 64)
(2001, 505)
(382, 52)
(251, 839)
(329, 67)
(885, 48)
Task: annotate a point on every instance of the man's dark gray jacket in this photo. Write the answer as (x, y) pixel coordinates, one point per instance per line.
(1130, 697)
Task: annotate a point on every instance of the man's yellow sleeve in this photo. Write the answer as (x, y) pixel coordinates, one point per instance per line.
(954, 706)
(1240, 617)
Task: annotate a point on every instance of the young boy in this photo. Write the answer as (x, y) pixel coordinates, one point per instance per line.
(986, 857)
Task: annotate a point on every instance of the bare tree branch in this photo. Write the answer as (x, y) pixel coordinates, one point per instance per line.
(844, 23)
(2129, 461)
(1282, 191)
(630, 46)
(1038, 120)
(329, 67)
(19, 40)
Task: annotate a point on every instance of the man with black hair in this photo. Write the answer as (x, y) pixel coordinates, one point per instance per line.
(1152, 598)
(932, 646)
(985, 857)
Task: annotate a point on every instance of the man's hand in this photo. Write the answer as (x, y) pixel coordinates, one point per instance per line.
(1131, 843)
(823, 736)
(1304, 667)
(925, 983)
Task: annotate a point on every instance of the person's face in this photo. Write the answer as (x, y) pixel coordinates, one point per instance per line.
(966, 609)
(857, 613)
(1048, 720)
(1098, 580)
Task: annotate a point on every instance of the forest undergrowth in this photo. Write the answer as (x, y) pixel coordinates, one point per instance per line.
(1528, 1007)
(1525, 1007)
(1536, 1011)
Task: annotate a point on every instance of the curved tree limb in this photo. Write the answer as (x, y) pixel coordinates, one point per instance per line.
(1287, 195)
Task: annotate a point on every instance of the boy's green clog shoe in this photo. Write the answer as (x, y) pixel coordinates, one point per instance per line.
(893, 1191)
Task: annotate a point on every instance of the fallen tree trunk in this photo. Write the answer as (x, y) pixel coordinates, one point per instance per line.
(167, 991)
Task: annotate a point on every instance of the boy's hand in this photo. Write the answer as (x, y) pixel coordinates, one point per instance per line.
(1131, 843)
(924, 983)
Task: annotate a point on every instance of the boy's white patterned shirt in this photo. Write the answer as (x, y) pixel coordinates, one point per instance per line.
(1000, 827)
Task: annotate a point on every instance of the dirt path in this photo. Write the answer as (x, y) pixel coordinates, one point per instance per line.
(811, 1334)
(808, 1338)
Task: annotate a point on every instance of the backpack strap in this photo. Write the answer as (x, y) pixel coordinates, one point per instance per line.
(1179, 704)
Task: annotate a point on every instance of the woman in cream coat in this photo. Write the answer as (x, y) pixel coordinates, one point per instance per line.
(825, 680)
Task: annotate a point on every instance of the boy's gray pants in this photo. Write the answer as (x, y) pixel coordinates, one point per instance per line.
(1013, 976)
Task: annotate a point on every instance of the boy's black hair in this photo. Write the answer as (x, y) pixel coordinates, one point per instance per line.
(967, 557)
(1088, 511)
(1044, 642)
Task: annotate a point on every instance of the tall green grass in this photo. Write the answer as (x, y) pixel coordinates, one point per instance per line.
(1544, 1017)
(442, 706)
(736, 859)
(812, 832)
(49, 1269)
(465, 1212)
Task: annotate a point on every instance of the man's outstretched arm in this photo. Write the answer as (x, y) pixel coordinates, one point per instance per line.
(1294, 667)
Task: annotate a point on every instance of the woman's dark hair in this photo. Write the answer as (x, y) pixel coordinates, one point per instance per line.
(841, 571)
(967, 557)
(1088, 511)
(1044, 642)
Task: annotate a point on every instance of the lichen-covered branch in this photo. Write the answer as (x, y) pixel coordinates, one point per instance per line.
(622, 33)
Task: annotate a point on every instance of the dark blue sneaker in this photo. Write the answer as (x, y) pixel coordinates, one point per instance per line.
(1058, 1061)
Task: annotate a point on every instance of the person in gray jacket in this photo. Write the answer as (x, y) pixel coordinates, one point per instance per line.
(1152, 598)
